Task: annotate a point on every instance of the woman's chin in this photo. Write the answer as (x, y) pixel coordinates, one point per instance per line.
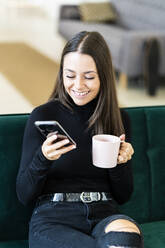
(80, 100)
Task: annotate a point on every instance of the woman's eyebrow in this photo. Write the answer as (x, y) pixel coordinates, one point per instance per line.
(68, 70)
(86, 72)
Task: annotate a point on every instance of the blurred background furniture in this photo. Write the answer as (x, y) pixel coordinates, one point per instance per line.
(147, 204)
(135, 22)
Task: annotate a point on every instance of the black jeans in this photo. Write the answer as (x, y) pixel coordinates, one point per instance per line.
(71, 225)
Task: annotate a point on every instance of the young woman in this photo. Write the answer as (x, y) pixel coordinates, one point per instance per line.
(76, 202)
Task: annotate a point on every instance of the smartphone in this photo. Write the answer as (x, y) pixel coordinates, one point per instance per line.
(48, 127)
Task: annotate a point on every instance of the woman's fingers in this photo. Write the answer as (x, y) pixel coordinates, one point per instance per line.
(122, 137)
(125, 153)
(53, 150)
(127, 147)
(50, 139)
(48, 148)
(121, 160)
(58, 145)
(57, 153)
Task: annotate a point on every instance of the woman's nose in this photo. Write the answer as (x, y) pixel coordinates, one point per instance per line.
(79, 83)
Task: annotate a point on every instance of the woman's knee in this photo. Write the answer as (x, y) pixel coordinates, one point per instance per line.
(122, 225)
(120, 231)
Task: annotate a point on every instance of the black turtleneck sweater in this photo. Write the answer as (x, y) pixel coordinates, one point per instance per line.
(73, 171)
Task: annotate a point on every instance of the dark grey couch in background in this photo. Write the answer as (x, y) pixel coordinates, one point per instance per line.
(137, 21)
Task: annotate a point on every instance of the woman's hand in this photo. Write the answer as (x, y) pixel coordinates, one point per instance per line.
(126, 151)
(53, 151)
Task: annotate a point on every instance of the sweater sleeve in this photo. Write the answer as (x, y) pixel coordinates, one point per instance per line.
(121, 177)
(34, 166)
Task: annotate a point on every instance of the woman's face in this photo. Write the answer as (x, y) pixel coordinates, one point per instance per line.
(80, 77)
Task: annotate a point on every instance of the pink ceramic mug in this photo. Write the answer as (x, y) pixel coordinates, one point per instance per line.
(105, 150)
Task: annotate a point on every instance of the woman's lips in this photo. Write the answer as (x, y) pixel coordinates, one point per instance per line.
(80, 94)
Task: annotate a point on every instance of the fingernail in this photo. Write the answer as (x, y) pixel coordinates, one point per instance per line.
(122, 136)
(74, 146)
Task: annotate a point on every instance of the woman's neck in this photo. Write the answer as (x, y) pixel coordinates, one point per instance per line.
(84, 111)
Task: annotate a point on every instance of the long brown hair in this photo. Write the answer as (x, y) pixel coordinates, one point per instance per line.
(106, 117)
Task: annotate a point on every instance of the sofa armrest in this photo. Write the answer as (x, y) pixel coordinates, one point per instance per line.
(69, 12)
(132, 51)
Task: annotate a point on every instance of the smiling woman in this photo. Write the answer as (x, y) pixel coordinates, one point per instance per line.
(91, 59)
(81, 80)
(76, 202)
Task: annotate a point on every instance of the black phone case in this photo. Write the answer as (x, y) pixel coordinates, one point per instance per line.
(48, 128)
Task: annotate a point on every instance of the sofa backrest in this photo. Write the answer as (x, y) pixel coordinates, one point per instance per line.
(14, 216)
(141, 14)
(148, 131)
(147, 202)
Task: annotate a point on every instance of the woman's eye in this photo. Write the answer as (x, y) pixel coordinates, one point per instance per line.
(70, 76)
(89, 78)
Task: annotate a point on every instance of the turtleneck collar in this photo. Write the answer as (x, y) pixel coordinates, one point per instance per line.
(84, 111)
(88, 106)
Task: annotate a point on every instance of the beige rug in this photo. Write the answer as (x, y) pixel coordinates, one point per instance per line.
(32, 73)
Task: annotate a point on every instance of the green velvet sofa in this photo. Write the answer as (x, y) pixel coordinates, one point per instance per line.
(147, 204)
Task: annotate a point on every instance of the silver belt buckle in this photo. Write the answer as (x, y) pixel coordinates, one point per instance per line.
(88, 197)
(58, 197)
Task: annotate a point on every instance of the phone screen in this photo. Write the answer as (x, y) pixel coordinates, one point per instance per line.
(48, 128)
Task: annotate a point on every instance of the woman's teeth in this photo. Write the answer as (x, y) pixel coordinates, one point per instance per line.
(80, 93)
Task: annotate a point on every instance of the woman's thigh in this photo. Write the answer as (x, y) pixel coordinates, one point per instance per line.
(60, 236)
(60, 225)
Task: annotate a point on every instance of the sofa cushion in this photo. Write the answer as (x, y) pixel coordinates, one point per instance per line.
(139, 204)
(141, 14)
(157, 177)
(69, 12)
(147, 201)
(156, 158)
(154, 234)
(155, 117)
(14, 244)
(100, 12)
(13, 215)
